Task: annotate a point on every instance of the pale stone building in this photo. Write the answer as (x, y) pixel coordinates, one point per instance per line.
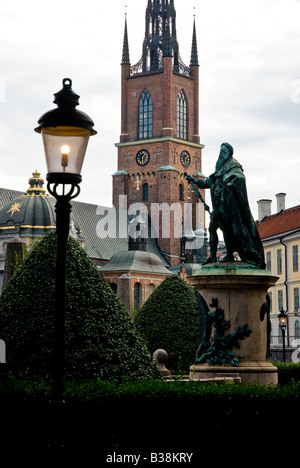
(280, 234)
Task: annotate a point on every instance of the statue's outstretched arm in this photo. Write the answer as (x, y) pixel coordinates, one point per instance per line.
(200, 183)
(195, 183)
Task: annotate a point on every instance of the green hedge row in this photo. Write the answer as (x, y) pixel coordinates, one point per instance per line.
(146, 415)
(143, 416)
(288, 371)
(24, 387)
(87, 390)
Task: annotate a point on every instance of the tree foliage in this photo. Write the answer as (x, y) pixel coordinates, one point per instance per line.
(100, 336)
(168, 320)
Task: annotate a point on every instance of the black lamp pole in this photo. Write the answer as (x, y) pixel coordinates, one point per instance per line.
(283, 343)
(63, 209)
(282, 317)
(65, 132)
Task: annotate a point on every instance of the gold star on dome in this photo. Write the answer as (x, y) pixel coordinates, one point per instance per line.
(14, 207)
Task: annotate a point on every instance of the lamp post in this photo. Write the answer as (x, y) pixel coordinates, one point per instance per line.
(282, 317)
(65, 131)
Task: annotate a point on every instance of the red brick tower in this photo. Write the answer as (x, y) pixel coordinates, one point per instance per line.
(159, 124)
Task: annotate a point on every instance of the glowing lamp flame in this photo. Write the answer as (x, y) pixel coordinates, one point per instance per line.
(65, 150)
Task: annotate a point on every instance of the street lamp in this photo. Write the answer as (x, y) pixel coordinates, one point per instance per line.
(283, 318)
(65, 131)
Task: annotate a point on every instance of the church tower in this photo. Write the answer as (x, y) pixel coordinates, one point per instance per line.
(159, 138)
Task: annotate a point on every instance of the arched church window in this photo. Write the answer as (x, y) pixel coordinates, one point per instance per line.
(145, 115)
(181, 116)
(137, 295)
(181, 191)
(145, 191)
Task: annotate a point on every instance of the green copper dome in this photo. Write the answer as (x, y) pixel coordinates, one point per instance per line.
(31, 214)
(135, 260)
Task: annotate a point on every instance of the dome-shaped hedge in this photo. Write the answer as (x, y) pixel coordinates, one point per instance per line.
(168, 320)
(100, 336)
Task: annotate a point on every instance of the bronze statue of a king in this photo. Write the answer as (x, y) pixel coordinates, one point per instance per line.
(231, 212)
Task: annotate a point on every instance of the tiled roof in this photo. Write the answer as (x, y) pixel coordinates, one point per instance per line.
(86, 217)
(279, 223)
(7, 195)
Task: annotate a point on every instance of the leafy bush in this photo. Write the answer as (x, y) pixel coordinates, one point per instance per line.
(103, 417)
(100, 336)
(287, 372)
(168, 320)
(93, 390)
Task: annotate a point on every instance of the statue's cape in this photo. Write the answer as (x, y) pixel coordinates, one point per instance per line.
(229, 194)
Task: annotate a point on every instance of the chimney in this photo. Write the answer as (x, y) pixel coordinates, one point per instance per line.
(264, 208)
(280, 201)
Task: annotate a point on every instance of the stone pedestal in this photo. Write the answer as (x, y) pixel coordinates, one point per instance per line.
(241, 292)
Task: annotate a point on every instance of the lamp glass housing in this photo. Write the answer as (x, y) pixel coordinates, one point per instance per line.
(65, 148)
(282, 320)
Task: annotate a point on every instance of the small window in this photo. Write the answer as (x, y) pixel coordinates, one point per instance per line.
(297, 329)
(145, 191)
(279, 262)
(181, 192)
(295, 258)
(296, 298)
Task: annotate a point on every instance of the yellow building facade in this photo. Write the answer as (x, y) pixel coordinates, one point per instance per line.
(280, 234)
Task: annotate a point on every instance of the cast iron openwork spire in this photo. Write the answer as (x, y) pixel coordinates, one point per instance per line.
(160, 35)
(160, 38)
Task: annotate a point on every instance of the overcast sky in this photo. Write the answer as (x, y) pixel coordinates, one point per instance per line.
(249, 55)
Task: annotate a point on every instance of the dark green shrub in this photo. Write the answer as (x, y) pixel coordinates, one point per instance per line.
(168, 320)
(103, 417)
(100, 336)
(287, 372)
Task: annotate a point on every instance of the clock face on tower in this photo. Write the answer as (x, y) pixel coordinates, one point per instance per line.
(142, 157)
(185, 158)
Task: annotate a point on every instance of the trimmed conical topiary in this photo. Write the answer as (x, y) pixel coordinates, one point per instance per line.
(168, 320)
(100, 337)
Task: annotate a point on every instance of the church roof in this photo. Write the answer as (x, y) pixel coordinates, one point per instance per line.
(286, 221)
(125, 54)
(85, 216)
(194, 53)
(98, 244)
(120, 172)
(167, 167)
(136, 260)
(160, 40)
